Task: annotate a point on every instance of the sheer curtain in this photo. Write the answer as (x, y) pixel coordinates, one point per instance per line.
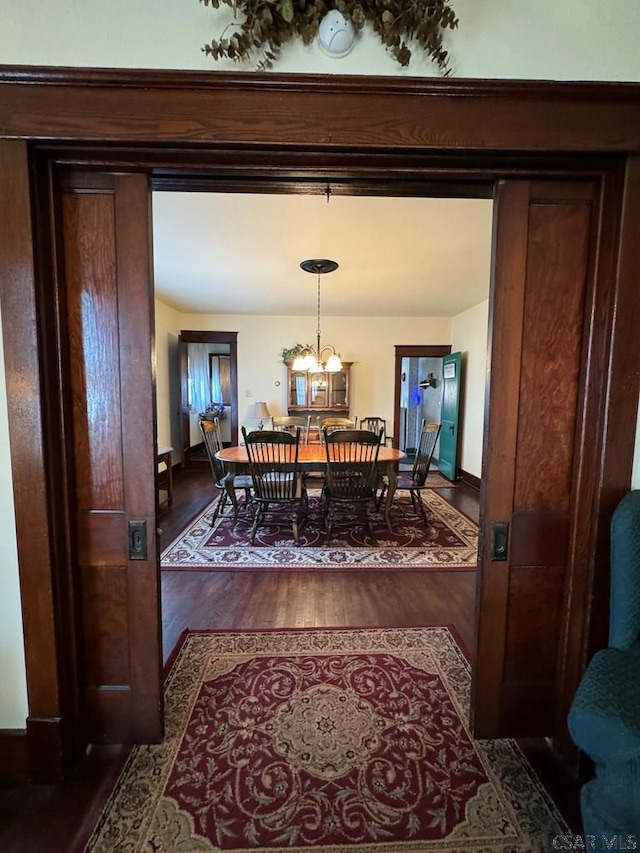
(199, 384)
(216, 386)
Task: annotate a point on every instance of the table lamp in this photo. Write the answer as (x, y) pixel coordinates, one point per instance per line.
(260, 411)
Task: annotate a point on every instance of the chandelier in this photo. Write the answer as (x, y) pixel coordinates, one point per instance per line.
(318, 359)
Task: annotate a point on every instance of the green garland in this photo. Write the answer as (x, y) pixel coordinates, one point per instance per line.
(289, 353)
(268, 24)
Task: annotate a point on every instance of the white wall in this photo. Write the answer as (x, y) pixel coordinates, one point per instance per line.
(538, 39)
(366, 341)
(167, 325)
(469, 335)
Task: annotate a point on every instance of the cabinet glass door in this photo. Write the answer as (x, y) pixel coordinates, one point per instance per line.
(319, 390)
(339, 390)
(298, 389)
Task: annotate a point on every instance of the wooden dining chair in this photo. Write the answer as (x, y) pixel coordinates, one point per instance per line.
(278, 485)
(289, 423)
(415, 481)
(331, 424)
(375, 424)
(224, 483)
(351, 477)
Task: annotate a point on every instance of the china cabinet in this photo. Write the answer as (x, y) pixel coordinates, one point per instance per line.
(318, 394)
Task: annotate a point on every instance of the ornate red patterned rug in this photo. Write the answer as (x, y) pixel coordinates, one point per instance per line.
(448, 541)
(344, 741)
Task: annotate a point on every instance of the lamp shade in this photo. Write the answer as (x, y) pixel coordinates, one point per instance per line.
(260, 411)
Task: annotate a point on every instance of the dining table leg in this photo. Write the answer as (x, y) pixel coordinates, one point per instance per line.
(392, 481)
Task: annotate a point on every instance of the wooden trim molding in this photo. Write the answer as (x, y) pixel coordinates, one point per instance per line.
(585, 620)
(468, 479)
(471, 115)
(34, 753)
(47, 754)
(24, 382)
(369, 132)
(14, 760)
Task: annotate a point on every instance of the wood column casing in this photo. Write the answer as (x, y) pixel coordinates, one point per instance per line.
(24, 401)
(277, 133)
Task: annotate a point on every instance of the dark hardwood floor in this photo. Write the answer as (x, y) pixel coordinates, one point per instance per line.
(47, 818)
(253, 600)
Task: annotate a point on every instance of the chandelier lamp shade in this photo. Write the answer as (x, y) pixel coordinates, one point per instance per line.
(320, 358)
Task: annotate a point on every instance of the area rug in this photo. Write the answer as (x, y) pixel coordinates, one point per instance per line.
(449, 541)
(348, 741)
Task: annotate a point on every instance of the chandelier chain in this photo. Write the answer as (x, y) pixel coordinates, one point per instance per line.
(310, 358)
(318, 326)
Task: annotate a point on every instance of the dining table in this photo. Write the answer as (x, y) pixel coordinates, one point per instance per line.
(312, 458)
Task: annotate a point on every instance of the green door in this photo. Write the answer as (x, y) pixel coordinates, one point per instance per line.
(451, 367)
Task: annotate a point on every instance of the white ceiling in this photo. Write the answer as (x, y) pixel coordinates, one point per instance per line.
(233, 253)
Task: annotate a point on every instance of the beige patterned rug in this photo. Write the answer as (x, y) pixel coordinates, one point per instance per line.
(448, 541)
(342, 741)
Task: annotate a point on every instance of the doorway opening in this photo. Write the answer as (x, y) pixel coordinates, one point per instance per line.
(381, 292)
(421, 399)
(411, 267)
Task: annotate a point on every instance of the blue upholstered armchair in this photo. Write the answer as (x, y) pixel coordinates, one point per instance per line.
(604, 719)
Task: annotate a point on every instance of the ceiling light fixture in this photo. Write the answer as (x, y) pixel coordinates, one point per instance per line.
(312, 359)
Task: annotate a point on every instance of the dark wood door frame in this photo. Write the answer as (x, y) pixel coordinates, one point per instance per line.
(441, 136)
(410, 351)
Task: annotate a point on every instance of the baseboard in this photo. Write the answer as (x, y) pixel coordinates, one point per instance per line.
(45, 750)
(14, 755)
(468, 479)
(196, 455)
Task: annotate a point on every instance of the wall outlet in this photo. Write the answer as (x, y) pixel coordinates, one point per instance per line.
(248, 392)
